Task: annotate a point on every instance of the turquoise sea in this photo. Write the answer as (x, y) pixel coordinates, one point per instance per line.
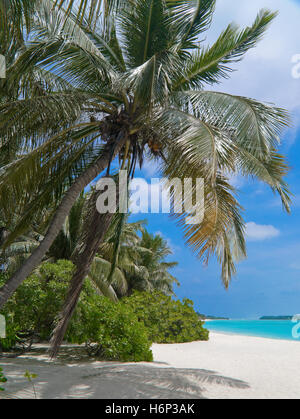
(274, 329)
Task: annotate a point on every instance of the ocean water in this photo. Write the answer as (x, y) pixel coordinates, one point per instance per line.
(274, 329)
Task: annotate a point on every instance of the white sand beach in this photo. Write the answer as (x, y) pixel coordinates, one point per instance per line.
(228, 366)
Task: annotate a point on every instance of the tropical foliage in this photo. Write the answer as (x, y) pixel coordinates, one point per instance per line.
(110, 331)
(166, 319)
(31, 312)
(156, 267)
(141, 259)
(92, 81)
(123, 330)
(150, 78)
(140, 262)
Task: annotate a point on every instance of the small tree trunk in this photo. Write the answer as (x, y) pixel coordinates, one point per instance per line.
(95, 229)
(62, 212)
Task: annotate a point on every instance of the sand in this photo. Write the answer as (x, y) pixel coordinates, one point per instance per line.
(227, 367)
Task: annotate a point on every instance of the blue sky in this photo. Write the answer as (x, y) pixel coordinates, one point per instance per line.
(268, 282)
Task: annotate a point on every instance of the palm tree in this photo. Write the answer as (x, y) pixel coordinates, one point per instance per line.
(140, 259)
(139, 263)
(155, 266)
(67, 242)
(121, 254)
(62, 248)
(139, 80)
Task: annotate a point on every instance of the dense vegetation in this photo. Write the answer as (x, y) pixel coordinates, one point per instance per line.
(139, 261)
(167, 320)
(110, 331)
(95, 84)
(124, 330)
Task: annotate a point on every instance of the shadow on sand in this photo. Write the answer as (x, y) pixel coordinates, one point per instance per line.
(74, 376)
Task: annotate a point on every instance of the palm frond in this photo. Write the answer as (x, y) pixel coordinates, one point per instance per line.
(190, 18)
(209, 65)
(99, 274)
(145, 31)
(90, 10)
(254, 125)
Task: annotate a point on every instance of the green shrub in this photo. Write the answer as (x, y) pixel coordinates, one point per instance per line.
(113, 331)
(32, 309)
(167, 320)
(112, 328)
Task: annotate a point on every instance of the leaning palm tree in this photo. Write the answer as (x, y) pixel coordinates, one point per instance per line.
(138, 81)
(65, 246)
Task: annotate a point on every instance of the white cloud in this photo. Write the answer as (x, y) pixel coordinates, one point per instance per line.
(266, 71)
(257, 232)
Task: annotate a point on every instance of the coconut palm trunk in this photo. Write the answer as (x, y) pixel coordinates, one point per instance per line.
(94, 230)
(63, 210)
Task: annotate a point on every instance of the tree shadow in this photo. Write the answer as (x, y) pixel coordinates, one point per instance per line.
(72, 377)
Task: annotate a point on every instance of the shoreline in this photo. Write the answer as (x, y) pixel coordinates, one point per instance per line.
(252, 336)
(275, 329)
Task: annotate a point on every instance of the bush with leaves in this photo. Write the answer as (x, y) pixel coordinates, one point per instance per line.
(167, 320)
(112, 328)
(31, 312)
(113, 331)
